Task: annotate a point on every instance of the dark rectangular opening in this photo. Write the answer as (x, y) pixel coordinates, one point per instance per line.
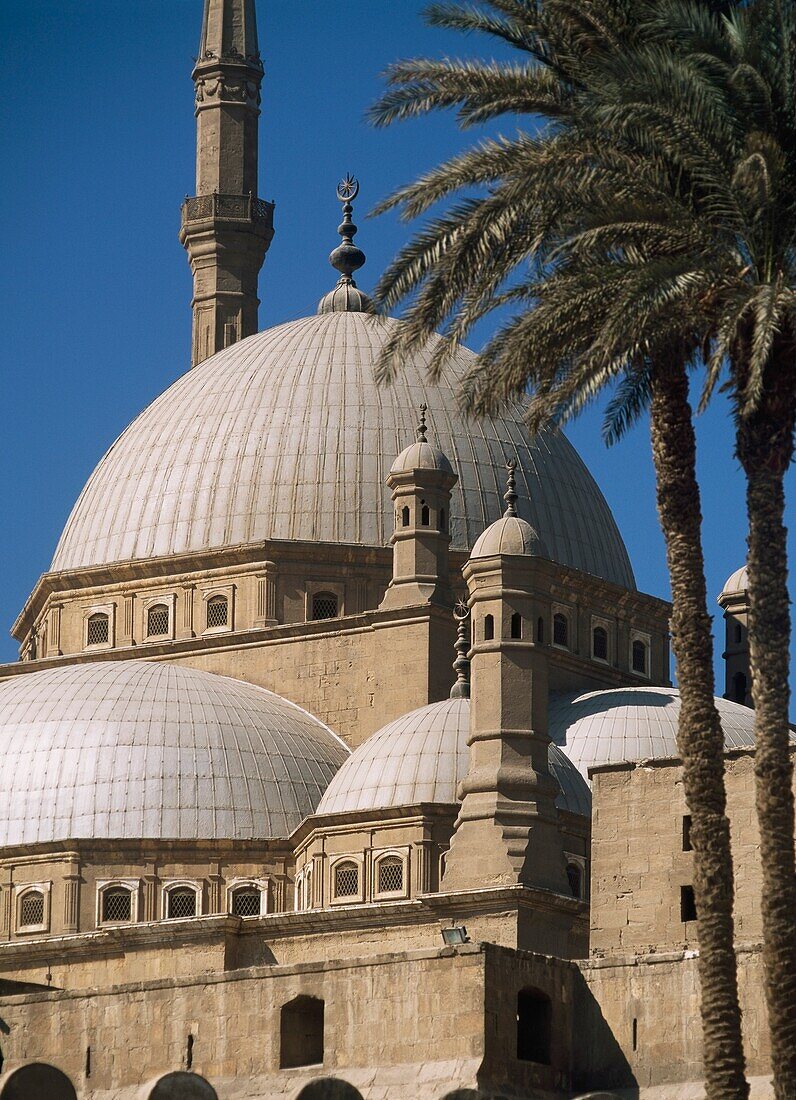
(687, 833)
(687, 904)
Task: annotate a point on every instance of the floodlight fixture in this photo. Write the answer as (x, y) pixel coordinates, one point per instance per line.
(455, 935)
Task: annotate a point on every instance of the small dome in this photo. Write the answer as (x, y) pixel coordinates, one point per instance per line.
(421, 456)
(737, 583)
(423, 757)
(633, 723)
(346, 297)
(140, 749)
(509, 535)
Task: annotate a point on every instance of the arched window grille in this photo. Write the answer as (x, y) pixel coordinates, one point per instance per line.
(639, 657)
(575, 879)
(31, 909)
(217, 611)
(489, 627)
(391, 875)
(98, 629)
(246, 901)
(560, 629)
(116, 904)
(346, 880)
(405, 516)
(181, 902)
(516, 625)
(324, 605)
(599, 643)
(157, 621)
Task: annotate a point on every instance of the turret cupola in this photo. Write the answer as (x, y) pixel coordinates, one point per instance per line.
(421, 479)
(734, 600)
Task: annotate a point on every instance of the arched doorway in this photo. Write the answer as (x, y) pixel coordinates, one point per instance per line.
(36, 1081)
(183, 1086)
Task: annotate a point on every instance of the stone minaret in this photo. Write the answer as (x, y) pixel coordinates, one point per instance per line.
(734, 600)
(507, 830)
(421, 479)
(226, 229)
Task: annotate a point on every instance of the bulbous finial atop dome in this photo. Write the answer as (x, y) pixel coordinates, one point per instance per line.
(421, 427)
(510, 495)
(510, 534)
(461, 666)
(346, 258)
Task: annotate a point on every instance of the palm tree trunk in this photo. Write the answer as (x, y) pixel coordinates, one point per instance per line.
(700, 738)
(765, 454)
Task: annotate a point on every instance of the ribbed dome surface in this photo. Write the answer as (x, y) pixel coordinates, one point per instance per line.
(737, 582)
(422, 757)
(286, 435)
(603, 727)
(150, 750)
(509, 535)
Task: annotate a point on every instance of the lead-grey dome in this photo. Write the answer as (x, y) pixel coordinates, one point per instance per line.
(632, 723)
(286, 435)
(138, 749)
(422, 757)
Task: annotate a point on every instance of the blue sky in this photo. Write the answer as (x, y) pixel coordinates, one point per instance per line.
(98, 146)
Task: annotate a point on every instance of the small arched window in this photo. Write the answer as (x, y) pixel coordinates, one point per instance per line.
(31, 909)
(217, 611)
(739, 687)
(540, 630)
(560, 629)
(575, 879)
(299, 893)
(516, 625)
(116, 904)
(324, 605)
(98, 629)
(246, 901)
(425, 516)
(737, 633)
(640, 657)
(181, 902)
(157, 621)
(489, 628)
(534, 1025)
(308, 889)
(405, 516)
(346, 880)
(391, 875)
(443, 521)
(599, 643)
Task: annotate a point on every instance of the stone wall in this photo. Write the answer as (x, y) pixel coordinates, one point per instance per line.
(639, 864)
(415, 1024)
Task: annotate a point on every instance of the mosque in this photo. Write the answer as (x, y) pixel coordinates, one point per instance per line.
(342, 745)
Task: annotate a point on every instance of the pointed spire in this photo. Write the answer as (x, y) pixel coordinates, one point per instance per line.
(510, 495)
(461, 666)
(229, 30)
(421, 427)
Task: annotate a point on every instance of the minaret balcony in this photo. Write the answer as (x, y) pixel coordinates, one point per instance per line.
(229, 208)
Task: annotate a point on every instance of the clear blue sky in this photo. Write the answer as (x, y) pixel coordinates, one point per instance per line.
(97, 136)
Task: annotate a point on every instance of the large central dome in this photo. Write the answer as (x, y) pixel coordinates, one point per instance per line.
(286, 435)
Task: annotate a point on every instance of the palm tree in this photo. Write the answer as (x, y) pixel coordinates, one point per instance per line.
(627, 232)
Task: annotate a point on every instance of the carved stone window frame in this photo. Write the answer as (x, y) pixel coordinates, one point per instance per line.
(317, 588)
(608, 627)
(347, 899)
(168, 887)
(228, 592)
(377, 857)
(583, 863)
(20, 890)
(108, 609)
(170, 600)
(259, 884)
(131, 884)
(640, 636)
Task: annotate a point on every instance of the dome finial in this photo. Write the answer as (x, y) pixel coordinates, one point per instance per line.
(461, 666)
(347, 258)
(510, 496)
(421, 427)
